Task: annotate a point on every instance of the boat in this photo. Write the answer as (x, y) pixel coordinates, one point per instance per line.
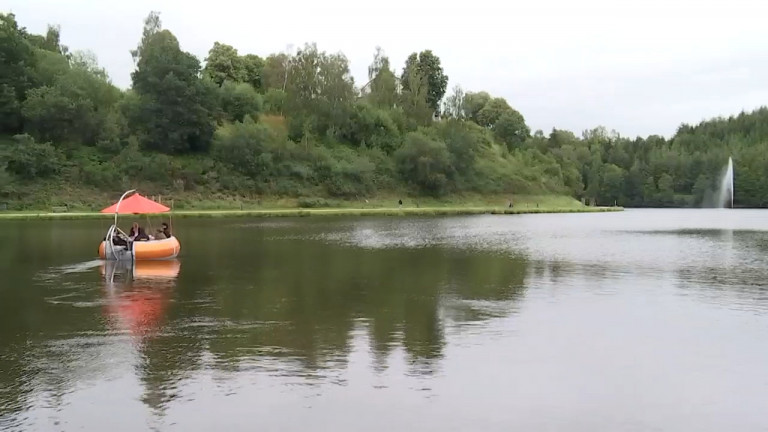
(111, 248)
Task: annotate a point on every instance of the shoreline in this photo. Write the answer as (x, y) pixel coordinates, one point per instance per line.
(305, 212)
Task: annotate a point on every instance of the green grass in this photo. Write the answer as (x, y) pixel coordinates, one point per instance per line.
(377, 207)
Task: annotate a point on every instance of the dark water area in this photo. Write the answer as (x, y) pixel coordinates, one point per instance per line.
(633, 321)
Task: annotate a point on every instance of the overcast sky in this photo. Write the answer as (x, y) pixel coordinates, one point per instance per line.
(640, 67)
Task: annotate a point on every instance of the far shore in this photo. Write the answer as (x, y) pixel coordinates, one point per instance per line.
(303, 212)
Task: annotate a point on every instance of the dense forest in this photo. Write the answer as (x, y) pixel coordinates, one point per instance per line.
(298, 125)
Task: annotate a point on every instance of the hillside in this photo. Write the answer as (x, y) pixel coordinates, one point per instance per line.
(246, 128)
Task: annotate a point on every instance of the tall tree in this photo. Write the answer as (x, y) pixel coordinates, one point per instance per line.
(51, 42)
(427, 65)
(474, 103)
(239, 100)
(382, 81)
(511, 129)
(74, 109)
(174, 112)
(320, 90)
(224, 64)
(454, 104)
(414, 100)
(254, 71)
(275, 71)
(492, 112)
(16, 74)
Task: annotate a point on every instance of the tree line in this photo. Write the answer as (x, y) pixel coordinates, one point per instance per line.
(297, 124)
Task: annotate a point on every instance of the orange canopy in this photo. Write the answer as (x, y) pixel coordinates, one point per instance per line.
(136, 204)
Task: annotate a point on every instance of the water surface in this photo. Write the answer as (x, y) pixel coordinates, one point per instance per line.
(633, 321)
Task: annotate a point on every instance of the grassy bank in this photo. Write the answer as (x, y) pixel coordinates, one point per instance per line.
(382, 206)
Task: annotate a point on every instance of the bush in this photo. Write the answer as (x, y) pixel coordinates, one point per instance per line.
(30, 160)
(244, 146)
(425, 163)
(313, 203)
(239, 100)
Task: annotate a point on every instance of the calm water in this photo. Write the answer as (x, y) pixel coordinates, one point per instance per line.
(635, 321)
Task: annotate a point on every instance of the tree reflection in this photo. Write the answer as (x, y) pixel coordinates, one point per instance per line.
(263, 301)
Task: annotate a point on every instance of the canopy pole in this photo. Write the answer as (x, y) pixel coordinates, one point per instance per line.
(114, 226)
(117, 208)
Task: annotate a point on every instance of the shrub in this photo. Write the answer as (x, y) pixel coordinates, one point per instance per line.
(313, 203)
(425, 163)
(30, 160)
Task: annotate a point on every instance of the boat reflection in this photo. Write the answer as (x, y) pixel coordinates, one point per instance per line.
(138, 293)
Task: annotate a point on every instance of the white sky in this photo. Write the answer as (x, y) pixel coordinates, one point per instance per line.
(640, 67)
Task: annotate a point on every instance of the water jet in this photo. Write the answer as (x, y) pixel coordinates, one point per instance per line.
(725, 197)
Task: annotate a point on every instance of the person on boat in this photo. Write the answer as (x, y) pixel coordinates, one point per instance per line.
(166, 230)
(137, 233)
(118, 240)
(160, 235)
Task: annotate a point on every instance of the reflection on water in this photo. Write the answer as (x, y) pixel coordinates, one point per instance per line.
(633, 321)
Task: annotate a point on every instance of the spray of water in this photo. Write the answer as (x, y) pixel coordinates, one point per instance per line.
(726, 187)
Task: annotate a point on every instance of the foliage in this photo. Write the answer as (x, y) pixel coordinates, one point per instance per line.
(239, 100)
(426, 65)
(297, 125)
(30, 160)
(175, 109)
(425, 162)
(382, 91)
(224, 64)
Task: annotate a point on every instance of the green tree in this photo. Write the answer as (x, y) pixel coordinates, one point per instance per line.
(414, 101)
(464, 141)
(51, 116)
(374, 128)
(49, 66)
(474, 103)
(701, 190)
(224, 64)
(666, 194)
(425, 163)
(510, 129)
(382, 82)
(245, 147)
(239, 100)
(275, 71)
(427, 66)
(274, 101)
(634, 184)
(30, 160)
(51, 42)
(175, 108)
(492, 112)
(17, 58)
(612, 184)
(254, 71)
(320, 91)
(454, 104)
(650, 192)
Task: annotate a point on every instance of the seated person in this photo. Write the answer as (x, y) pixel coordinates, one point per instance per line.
(166, 230)
(137, 233)
(118, 240)
(160, 235)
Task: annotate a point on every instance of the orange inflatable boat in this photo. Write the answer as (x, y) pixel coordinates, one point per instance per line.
(142, 250)
(118, 246)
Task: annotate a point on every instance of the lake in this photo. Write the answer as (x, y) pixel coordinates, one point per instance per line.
(632, 321)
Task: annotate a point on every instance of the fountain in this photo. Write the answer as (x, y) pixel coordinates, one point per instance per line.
(725, 199)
